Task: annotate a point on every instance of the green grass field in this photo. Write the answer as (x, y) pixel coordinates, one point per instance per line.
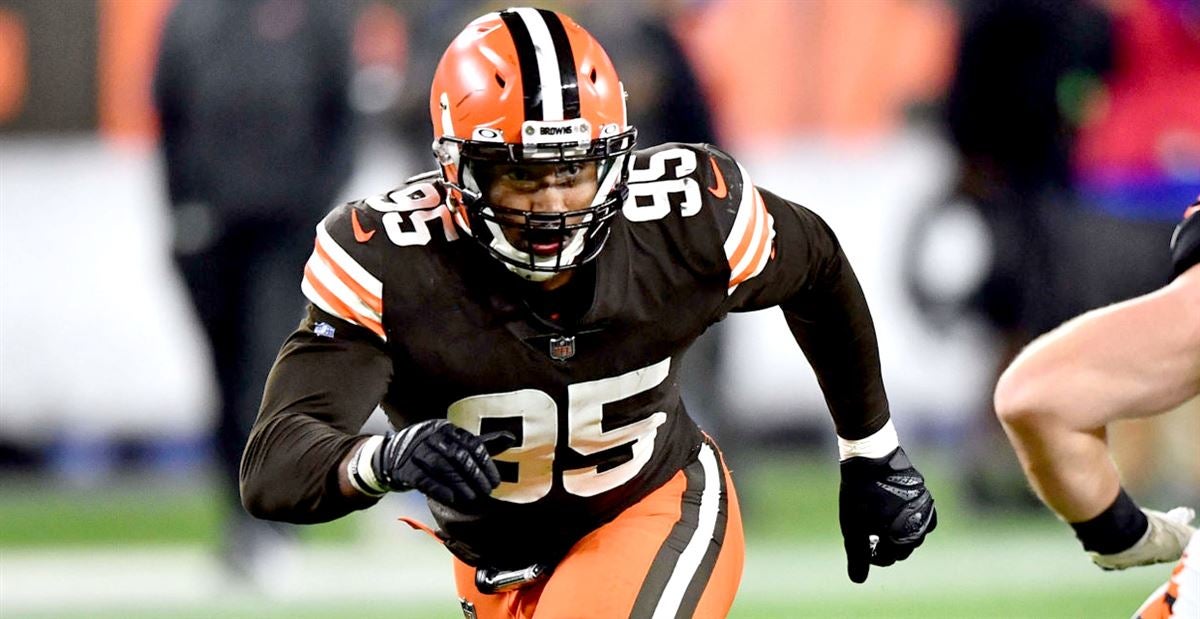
(974, 565)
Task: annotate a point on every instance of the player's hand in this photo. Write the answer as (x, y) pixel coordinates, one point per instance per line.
(445, 462)
(885, 511)
(1163, 542)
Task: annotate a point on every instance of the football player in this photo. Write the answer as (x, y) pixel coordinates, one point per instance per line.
(1132, 359)
(520, 314)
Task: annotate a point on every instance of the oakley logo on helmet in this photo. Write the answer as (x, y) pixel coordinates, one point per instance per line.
(487, 134)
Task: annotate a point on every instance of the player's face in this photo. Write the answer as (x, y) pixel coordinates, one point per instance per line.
(546, 188)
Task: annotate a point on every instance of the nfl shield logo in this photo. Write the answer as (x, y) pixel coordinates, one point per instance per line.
(562, 347)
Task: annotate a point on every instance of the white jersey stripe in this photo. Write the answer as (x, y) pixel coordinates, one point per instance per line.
(330, 293)
(322, 272)
(347, 263)
(315, 297)
(697, 546)
(547, 63)
(756, 236)
(759, 253)
(744, 213)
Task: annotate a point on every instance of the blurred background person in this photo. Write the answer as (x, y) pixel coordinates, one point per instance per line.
(1011, 114)
(257, 138)
(1137, 157)
(1068, 147)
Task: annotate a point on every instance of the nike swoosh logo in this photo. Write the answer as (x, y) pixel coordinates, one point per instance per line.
(719, 191)
(360, 235)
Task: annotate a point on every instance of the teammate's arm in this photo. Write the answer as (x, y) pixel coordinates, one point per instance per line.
(1133, 359)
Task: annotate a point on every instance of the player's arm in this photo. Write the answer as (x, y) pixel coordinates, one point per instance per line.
(304, 461)
(1133, 359)
(886, 511)
(327, 379)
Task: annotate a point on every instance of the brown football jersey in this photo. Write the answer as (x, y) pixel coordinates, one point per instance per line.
(412, 315)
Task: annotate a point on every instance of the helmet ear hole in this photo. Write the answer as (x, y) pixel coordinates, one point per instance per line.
(500, 80)
(592, 76)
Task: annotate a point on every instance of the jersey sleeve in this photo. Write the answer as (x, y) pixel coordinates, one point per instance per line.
(328, 378)
(343, 274)
(746, 227)
(1185, 243)
(773, 249)
(702, 200)
(781, 254)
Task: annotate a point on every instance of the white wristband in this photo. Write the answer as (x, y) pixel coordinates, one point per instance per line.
(359, 471)
(883, 442)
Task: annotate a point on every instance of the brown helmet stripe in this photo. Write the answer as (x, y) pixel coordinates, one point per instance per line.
(549, 83)
(569, 77)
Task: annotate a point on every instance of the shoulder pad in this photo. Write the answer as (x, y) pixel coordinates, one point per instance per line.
(342, 274)
(684, 180)
(1185, 243)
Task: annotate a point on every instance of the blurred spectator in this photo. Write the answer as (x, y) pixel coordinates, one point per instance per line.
(664, 93)
(1022, 72)
(257, 138)
(1138, 155)
(666, 101)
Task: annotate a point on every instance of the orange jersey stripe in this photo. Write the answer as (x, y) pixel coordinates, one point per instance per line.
(752, 267)
(372, 301)
(750, 232)
(343, 310)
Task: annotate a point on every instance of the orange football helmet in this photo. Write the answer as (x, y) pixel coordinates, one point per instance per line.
(529, 85)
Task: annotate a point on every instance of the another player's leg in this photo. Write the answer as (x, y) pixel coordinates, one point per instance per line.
(1180, 595)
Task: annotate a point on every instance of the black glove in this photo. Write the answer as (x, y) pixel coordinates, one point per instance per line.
(883, 497)
(445, 462)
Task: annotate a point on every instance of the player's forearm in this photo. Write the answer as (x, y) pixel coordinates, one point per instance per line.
(833, 326)
(293, 471)
(318, 395)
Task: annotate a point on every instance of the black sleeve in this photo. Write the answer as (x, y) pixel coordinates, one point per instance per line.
(1185, 243)
(328, 378)
(810, 278)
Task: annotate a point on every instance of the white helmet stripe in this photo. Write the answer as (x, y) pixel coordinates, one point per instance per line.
(447, 120)
(547, 63)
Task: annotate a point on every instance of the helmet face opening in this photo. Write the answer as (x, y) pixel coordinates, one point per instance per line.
(529, 86)
(535, 244)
